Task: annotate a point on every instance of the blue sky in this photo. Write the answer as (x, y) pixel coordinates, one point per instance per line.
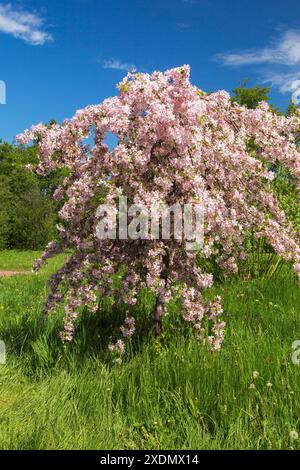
(61, 55)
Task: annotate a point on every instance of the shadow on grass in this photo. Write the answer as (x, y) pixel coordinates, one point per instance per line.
(33, 340)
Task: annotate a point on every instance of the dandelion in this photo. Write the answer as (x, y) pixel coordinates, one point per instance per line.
(294, 435)
(255, 374)
(251, 386)
(269, 384)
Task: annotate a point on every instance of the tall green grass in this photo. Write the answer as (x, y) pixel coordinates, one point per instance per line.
(15, 260)
(167, 394)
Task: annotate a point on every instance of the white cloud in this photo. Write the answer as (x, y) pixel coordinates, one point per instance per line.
(285, 51)
(279, 61)
(23, 25)
(118, 65)
(182, 27)
(285, 82)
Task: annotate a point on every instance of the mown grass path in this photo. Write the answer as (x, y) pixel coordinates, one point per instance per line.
(12, 273)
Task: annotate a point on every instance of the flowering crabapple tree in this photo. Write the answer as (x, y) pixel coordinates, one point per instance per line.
(178, 145)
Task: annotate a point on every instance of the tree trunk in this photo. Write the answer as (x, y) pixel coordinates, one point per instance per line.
(159, 309)
(157, 317)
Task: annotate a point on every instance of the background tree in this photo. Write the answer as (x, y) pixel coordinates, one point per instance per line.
(250, 97)
(28, 213)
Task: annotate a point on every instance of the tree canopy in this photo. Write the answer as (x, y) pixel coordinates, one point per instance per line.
(175, 145)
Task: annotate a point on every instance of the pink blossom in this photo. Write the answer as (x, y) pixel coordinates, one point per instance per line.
(175, 144)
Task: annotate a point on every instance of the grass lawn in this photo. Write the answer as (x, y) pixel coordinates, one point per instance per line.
(14, 260)
(170, 394)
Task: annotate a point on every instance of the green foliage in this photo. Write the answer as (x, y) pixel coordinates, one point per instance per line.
(250, 97)
(28, 214)
(5, 210)
(291, 109)
(287, 194)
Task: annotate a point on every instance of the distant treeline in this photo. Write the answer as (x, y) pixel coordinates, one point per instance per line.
(28, 213)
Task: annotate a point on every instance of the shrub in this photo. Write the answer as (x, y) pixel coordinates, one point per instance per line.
(178, 145)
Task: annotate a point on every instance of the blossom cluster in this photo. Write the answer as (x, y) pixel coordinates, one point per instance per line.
(175, 144)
